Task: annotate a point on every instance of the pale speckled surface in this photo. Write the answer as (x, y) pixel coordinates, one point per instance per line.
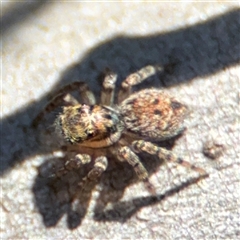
(60, 42)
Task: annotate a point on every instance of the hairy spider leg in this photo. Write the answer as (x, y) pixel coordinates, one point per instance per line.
(126, 154)
(108, 87)
(75, 163)
(162, 153)
(100, 165)
(86, 95)
(136, 78)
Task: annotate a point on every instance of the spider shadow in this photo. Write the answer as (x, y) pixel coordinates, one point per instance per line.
(57, 196)
(121, 211)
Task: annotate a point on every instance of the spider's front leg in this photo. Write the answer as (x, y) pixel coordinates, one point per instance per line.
(100, 165)
(94, 174)
(143, 146)
(74, 163)
(86, 96)
(136, 78)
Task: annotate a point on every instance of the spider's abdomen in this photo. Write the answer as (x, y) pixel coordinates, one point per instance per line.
(153, 114)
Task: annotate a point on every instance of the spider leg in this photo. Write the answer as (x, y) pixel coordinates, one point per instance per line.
(93, 175)
(70, 100)
(136, 78)
(108, 87)
(126, 154)
(143, 146)
(74, 163)
(86, 96)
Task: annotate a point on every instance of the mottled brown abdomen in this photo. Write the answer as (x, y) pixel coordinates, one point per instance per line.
(153, 114)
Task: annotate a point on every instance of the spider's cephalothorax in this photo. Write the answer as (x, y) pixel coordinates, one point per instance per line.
(124, 129)
(90, 125)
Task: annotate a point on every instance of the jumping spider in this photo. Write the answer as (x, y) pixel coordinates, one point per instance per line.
(123, 130)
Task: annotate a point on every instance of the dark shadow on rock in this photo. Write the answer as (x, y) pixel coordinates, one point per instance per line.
(57, 196)
(123, 210)
(19, 12)
(199, 50)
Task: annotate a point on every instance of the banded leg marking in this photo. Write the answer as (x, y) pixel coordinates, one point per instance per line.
(142, 146)
(95, 173)
(108, 87)
(136, 78)
(126, 154)
(75, 163)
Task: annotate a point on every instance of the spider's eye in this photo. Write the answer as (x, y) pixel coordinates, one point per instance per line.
(69, 140)
(89, 133)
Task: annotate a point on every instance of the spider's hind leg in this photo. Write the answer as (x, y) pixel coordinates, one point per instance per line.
(143, 146)
(126, 154)
(108, 87)
(136, 78)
